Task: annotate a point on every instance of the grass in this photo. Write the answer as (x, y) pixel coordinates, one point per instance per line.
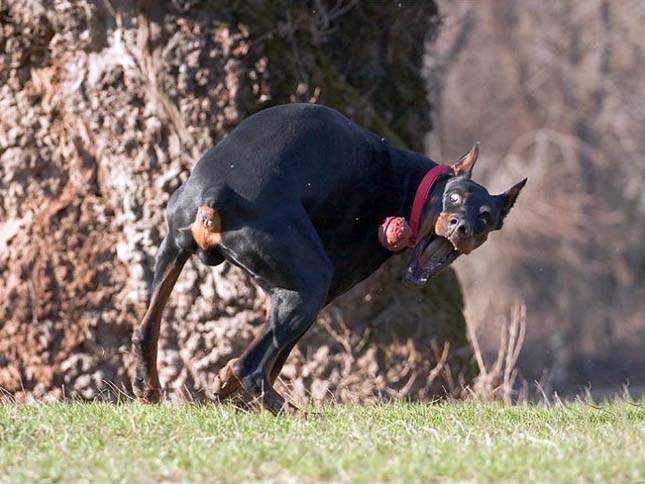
(81, 442)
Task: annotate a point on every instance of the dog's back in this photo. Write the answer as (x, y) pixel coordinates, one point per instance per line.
(296, 150)
(298, 161)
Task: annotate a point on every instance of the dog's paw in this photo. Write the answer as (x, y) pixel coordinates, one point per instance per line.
(225, 385)
(146, 393)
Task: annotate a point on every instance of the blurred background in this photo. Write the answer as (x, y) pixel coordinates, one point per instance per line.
(107, 104)
(554, 91)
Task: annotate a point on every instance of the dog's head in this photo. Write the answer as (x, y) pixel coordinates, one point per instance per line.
(457, 220)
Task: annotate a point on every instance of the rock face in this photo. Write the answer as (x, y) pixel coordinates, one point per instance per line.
(105, 108)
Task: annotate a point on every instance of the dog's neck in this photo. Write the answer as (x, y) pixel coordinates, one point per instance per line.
(409, 168)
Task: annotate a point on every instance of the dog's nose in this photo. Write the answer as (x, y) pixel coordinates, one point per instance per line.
(460, 226)
(465, 229)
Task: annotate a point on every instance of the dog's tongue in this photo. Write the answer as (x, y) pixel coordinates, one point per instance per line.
(439, 249)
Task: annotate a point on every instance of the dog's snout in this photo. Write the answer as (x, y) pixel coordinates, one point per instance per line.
(459, 226)
(465, 229)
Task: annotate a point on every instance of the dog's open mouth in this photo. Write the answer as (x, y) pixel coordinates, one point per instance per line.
(429, 257)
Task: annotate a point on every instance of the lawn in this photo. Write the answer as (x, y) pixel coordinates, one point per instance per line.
(448, 442)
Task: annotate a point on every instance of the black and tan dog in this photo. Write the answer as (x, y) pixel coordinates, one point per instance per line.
(296, 196)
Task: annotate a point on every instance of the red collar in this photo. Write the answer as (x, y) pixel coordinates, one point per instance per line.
(423, 192)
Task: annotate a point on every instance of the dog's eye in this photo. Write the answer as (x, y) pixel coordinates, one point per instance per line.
(485, 217)
(455, 198)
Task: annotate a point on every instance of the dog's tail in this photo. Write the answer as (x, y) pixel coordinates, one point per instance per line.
(206, 229)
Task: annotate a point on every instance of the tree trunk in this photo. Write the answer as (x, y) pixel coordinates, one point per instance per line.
(106, 106)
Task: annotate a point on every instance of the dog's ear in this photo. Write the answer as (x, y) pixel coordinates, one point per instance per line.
(508, 199)
(464, 166)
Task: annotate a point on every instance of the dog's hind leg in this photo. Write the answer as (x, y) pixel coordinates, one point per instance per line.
(281, 360)
(170, 261)
(227, 385)
(294, 269)
(292, 314)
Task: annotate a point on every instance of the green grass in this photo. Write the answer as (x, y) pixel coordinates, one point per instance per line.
(75, 442)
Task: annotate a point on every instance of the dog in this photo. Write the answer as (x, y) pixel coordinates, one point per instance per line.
(309, 204)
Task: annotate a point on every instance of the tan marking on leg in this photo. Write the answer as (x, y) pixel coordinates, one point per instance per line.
(225, 385)
(207, 228)
(147, 362)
